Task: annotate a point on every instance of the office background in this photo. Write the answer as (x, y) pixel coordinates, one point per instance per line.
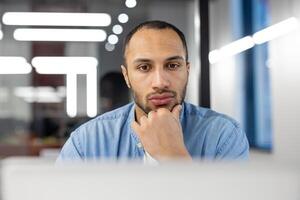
(255, 81)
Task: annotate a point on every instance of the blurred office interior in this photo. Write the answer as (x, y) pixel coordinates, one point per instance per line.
(51, 82)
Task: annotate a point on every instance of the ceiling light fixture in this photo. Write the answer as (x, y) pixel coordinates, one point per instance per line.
(64, 64)
(117, 29)
(71, 98)
(56, 19)
(71, 67)
(39, 94)
(265, 35)
(130, 3)
(113, 39)
(109, 46)
(14, 65)
(1, 33)
(123, 18)
(276, 30)
(47, 34)
(231, 49)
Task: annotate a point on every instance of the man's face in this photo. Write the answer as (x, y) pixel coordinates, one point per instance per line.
(157, 70)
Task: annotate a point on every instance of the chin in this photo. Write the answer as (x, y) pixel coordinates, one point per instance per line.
(168, 106)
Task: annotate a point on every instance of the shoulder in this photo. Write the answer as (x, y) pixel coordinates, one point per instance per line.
(115, 116)
(222, 134)
(88, 139)
(107, 125)
(206, 115)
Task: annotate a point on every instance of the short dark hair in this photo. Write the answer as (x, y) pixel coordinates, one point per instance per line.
(156, 24)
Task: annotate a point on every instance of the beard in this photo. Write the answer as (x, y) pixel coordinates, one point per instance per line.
(144, 105)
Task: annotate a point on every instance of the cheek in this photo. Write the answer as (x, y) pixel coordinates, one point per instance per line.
(180, 81)
(139, 82)
(139, 87)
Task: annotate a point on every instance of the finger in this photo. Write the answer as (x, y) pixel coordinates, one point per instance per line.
(151, 114)
(162, 111)
(143, 120)
(176, 111)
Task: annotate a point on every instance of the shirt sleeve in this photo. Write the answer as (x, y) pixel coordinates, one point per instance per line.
(71, 151)
(235, 146)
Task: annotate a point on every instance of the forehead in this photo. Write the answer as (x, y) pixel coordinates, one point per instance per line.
(154, 43)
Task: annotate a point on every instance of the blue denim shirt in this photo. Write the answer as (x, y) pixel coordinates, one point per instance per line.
(207, 134)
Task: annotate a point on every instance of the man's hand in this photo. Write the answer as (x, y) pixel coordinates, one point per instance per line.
(161, 134)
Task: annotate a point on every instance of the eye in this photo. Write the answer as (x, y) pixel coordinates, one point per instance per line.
(173, 66)
(144, 67)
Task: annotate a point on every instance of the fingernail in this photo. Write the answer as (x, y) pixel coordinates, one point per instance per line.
(180, 107)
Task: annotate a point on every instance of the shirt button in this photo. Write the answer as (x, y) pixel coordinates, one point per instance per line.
(139, 145)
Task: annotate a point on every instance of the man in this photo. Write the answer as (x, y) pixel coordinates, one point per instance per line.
(159, 124)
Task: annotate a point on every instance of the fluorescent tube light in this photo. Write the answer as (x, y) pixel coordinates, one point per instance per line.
(1, 34)
(71, 100)
(276, 30)
(64, 65)
(237, 46)
(44, 34)
(14, 65)
(91, 94)
(214, 56)
(71, 66)
(56, 19)
(231, 49)
(39, 94)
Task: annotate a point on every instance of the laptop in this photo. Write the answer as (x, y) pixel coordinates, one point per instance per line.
(39, 179)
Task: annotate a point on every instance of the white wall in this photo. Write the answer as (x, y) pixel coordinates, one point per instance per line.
(285, 82)
(285, 77)
(224, 83)
(10, 105)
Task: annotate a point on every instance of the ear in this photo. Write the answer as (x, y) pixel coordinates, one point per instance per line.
(188, 67)
(125, 75)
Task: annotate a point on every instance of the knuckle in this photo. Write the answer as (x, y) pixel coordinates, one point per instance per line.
(151, 114)
(162, 111)
(143, 121)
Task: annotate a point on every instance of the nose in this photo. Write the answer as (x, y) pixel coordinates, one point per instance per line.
(160, 79)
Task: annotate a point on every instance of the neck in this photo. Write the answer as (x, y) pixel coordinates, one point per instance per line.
(138, 113)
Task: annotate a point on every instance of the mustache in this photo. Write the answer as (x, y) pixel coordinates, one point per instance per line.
(161, 91)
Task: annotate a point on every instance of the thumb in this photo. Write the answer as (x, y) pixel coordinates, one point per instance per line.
(176, 111)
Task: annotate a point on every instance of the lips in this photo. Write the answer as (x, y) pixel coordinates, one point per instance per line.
(161, 99)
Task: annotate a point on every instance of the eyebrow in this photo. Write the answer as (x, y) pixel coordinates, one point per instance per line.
(141, 60)
(175, 58)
